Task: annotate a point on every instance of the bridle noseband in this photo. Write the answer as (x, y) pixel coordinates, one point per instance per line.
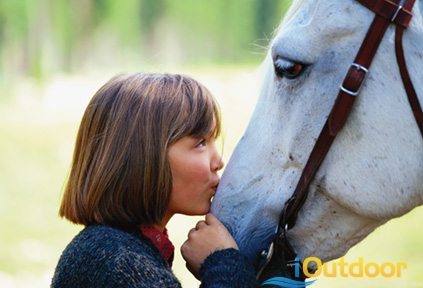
(278, 260)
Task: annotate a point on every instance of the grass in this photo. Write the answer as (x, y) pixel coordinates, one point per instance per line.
(37, 129)
(33, 169)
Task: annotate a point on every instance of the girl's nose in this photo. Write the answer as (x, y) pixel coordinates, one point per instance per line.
(219, 165)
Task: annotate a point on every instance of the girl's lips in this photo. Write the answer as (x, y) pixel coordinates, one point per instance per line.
(214, 183)
(214, 189)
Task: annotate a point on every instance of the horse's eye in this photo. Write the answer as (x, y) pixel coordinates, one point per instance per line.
(288, 69)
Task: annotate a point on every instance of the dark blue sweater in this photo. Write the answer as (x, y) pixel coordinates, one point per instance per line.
(101, 256)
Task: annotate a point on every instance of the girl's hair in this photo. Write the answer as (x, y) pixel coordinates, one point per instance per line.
(120, 173)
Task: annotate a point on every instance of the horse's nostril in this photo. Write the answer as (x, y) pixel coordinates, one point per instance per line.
(288, 68)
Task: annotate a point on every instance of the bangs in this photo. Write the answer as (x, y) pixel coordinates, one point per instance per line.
(199, 114)
(203, 122)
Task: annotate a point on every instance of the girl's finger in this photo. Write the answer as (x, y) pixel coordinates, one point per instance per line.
(200, 224)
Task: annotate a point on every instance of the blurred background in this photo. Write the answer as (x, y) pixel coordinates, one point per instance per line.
(54, 55)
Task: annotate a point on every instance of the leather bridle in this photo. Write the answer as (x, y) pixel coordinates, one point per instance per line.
(280, 258)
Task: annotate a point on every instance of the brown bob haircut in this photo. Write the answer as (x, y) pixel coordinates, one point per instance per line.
(120, 173)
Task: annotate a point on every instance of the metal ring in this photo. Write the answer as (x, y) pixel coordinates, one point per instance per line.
(360, 67)
(396, 13)
(349, 91)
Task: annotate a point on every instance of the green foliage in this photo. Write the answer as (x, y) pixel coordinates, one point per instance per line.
(226, 31)
(124, 19)
(41, 37)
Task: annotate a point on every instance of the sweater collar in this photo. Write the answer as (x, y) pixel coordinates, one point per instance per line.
(160, 240)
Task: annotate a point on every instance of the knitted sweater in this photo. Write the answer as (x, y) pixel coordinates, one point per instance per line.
(102, 256)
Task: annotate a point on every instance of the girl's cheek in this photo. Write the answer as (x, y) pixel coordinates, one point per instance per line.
(201, 171)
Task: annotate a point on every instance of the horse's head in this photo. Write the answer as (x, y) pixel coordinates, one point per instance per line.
(373, 171)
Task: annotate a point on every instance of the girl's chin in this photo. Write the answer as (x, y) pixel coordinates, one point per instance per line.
(203, 211)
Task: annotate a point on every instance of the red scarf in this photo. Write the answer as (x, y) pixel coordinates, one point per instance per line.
(160, 240)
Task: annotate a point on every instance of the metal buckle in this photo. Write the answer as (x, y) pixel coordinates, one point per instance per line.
(396, 13)
(266, 256)
(355, 93)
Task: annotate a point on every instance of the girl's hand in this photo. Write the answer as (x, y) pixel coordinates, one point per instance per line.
(207, 237)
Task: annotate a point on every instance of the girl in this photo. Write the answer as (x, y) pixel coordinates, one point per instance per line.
(145, 151)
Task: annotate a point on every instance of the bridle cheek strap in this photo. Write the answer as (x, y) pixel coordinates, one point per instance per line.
(406, 80)
(395, 13)
(401, 16)
(349, 90)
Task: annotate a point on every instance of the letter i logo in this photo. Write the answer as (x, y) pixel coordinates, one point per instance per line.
(297, 267)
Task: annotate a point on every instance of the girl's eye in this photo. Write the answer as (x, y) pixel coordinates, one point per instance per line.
(201, 143)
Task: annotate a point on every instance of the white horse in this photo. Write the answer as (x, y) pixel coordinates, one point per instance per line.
(374, 170)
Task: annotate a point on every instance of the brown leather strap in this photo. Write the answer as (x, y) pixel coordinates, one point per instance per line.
(406, 80)
(350, 89)
(390, 11)
(355, 77)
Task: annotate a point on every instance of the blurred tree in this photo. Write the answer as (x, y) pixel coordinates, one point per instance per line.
(124, 20)
(39, 37)
(268, 15)
(64, 33)
(150, 11)
(15, 16)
